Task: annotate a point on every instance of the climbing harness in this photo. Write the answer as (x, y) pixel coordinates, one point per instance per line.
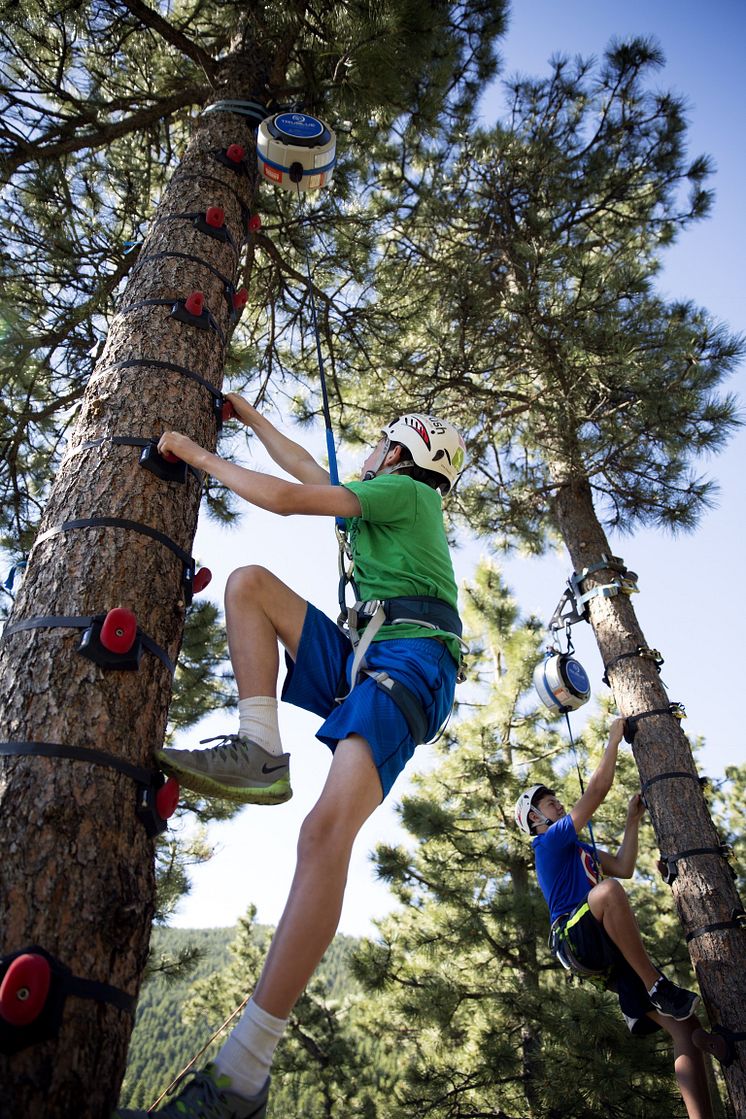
(561, 947)
(296, 151)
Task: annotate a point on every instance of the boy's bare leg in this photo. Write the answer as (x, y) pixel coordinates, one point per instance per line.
(259, 609)
(309, 921)
(689, 1065)
(609, 904)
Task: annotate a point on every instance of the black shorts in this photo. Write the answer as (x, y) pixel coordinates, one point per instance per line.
(594, 948)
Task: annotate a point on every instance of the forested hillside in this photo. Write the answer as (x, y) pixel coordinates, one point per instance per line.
(165, 1038)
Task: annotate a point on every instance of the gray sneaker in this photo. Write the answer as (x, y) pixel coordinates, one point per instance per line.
(238, 769)
(207, 1096)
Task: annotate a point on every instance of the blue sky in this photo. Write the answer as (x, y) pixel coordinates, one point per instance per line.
(691, 597)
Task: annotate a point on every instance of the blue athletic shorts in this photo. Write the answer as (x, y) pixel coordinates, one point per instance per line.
(422, 664)
(594, 948)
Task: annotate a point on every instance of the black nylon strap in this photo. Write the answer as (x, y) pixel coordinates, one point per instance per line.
(213, 179)
(737, 921)
(408, 703)
(123, 441)
(423, 608)
(100, 992)
(673, 773)
(640, 653)
(196, 216)
(170, 366)
(254, 110)
(170, 303)
(117, 522)
(723, 850)
(55, 621)
(23, 748)
(188, 256)
(631, 721)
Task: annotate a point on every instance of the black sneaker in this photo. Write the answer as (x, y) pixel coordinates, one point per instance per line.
(672, 1001)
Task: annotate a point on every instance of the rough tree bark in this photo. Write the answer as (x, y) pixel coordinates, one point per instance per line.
(704, 889)
(76, 875)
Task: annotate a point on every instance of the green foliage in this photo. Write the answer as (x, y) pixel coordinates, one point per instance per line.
(547, 341)
(485, 1020)
(327, 1064)
(99, 101)
(204, 682)
(456, 1008)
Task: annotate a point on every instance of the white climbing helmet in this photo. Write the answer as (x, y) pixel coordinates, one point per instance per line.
(434, 444)
(523, 807)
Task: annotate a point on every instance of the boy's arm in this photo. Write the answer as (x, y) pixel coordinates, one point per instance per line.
(622, 865)
(288, 455)
(264, 490)
(600, 780)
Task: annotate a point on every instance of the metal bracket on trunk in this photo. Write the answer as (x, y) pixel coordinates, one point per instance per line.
(576, 598)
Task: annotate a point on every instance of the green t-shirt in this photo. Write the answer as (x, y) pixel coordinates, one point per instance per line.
(399, 548)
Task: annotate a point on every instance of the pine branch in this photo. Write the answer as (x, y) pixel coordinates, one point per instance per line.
(172, 35)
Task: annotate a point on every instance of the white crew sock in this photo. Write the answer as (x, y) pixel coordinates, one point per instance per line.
(258, 721)
(651, 992)
(247, 1055)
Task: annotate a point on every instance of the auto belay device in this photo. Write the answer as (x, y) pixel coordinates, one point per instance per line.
(561, 682)
(296, 151)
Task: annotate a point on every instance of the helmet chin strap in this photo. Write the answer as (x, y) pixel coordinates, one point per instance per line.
(544, 819)
(374, 473)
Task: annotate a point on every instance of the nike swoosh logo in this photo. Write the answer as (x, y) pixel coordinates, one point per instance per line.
(271, 768)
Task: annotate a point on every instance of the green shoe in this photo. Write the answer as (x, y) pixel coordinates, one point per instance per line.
(207, 1096)
(237, 769)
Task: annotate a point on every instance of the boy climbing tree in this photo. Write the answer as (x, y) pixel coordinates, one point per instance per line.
(396, 676)
(594, 931)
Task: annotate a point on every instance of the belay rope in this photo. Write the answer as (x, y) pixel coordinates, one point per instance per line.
(345, 575)
(421, 610)
(596, 860)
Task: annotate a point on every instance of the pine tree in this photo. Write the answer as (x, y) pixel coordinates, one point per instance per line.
(587, 397)
(486, 1020)
(100, 105)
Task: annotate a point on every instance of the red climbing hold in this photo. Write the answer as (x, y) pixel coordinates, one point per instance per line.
(195, 303)
(167, 798)
(202, 579)
(240, 299)
(254, 223)
(228, 412)
(215, 216)
(236, 153)
(119, 630)
(169, 456)
(24, 989)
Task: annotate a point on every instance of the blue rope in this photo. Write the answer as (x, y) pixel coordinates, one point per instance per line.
(330, 448)
(596, 859)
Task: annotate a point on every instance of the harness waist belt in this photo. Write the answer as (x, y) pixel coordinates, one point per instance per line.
(417, 610)
(560, 946)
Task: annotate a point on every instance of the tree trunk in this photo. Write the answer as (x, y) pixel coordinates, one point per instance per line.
(704, 889)
(76, 877)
